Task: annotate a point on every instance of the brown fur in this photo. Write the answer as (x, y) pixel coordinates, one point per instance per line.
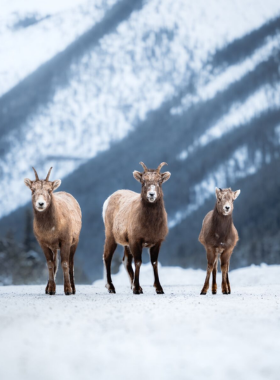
(56, 227)
(219, 237)
(136, 221)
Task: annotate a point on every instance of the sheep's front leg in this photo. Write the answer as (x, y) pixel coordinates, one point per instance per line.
(65, 254)
(154, 251)
(51, 287)
(211, 262)
(136, 250)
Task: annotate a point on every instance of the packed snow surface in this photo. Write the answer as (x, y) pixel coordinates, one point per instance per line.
(178, 335)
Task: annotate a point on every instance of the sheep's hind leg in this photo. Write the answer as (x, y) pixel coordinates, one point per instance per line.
(154, 251)
(225, 267)
(55, 262)
(127, 260)
(214, 274)
(71, 267)
(228, 283)
(109, 249)
(65, 263)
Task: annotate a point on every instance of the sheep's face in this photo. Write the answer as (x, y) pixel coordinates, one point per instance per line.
(151, 181)
(41, 191)
(225, 199)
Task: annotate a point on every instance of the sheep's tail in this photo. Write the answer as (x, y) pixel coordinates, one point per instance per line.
(105, 205)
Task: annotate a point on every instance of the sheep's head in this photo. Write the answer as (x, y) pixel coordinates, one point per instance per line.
(225, 199)
(151, 180)
(41, 190)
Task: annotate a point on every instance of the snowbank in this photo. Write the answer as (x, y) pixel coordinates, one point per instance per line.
(176, 276)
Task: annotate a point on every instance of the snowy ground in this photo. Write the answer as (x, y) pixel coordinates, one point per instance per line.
(180, 335)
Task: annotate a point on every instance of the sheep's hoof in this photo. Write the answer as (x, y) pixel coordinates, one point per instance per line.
(138, 290)
(50, 288)
(67, 290)
(203, 293)
(214, 291)
(159, 291)
(111, 288)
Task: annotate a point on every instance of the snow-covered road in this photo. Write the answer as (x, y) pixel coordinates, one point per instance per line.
(179, 335)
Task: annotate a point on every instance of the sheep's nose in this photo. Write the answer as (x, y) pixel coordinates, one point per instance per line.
(152, 193)
(41, 204)
(227, 208)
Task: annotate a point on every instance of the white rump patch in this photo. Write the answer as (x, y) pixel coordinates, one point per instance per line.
(105, 205)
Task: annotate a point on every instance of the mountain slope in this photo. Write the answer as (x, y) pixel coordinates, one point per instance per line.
(130, 62)
(215, 121)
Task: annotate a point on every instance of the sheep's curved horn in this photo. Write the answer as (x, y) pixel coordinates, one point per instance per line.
(36, 175)
(47, 177)
(160, 166)
(144, 166)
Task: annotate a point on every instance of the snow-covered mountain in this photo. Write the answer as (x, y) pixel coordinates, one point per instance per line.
(92, 88)
(33, 32)
(150, 57)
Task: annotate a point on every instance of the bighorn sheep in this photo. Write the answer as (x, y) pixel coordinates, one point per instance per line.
(57, 225)
(219, 237)
(136, 221)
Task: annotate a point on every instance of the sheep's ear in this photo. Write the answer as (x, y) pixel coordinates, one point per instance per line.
(56, 184)
(137, 175)
(165, 176)
(28, 182)
(218, 193)
(236, 194)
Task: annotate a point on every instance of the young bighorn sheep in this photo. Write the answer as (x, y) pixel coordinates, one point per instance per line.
(136, 221)
(57, 225)
(219, 237)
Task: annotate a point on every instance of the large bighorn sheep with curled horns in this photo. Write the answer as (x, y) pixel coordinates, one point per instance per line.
(57, 225)
(136, 221)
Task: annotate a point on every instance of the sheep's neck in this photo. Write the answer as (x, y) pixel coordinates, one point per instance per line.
(152, 213)
(46, 219)
(221, 227)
